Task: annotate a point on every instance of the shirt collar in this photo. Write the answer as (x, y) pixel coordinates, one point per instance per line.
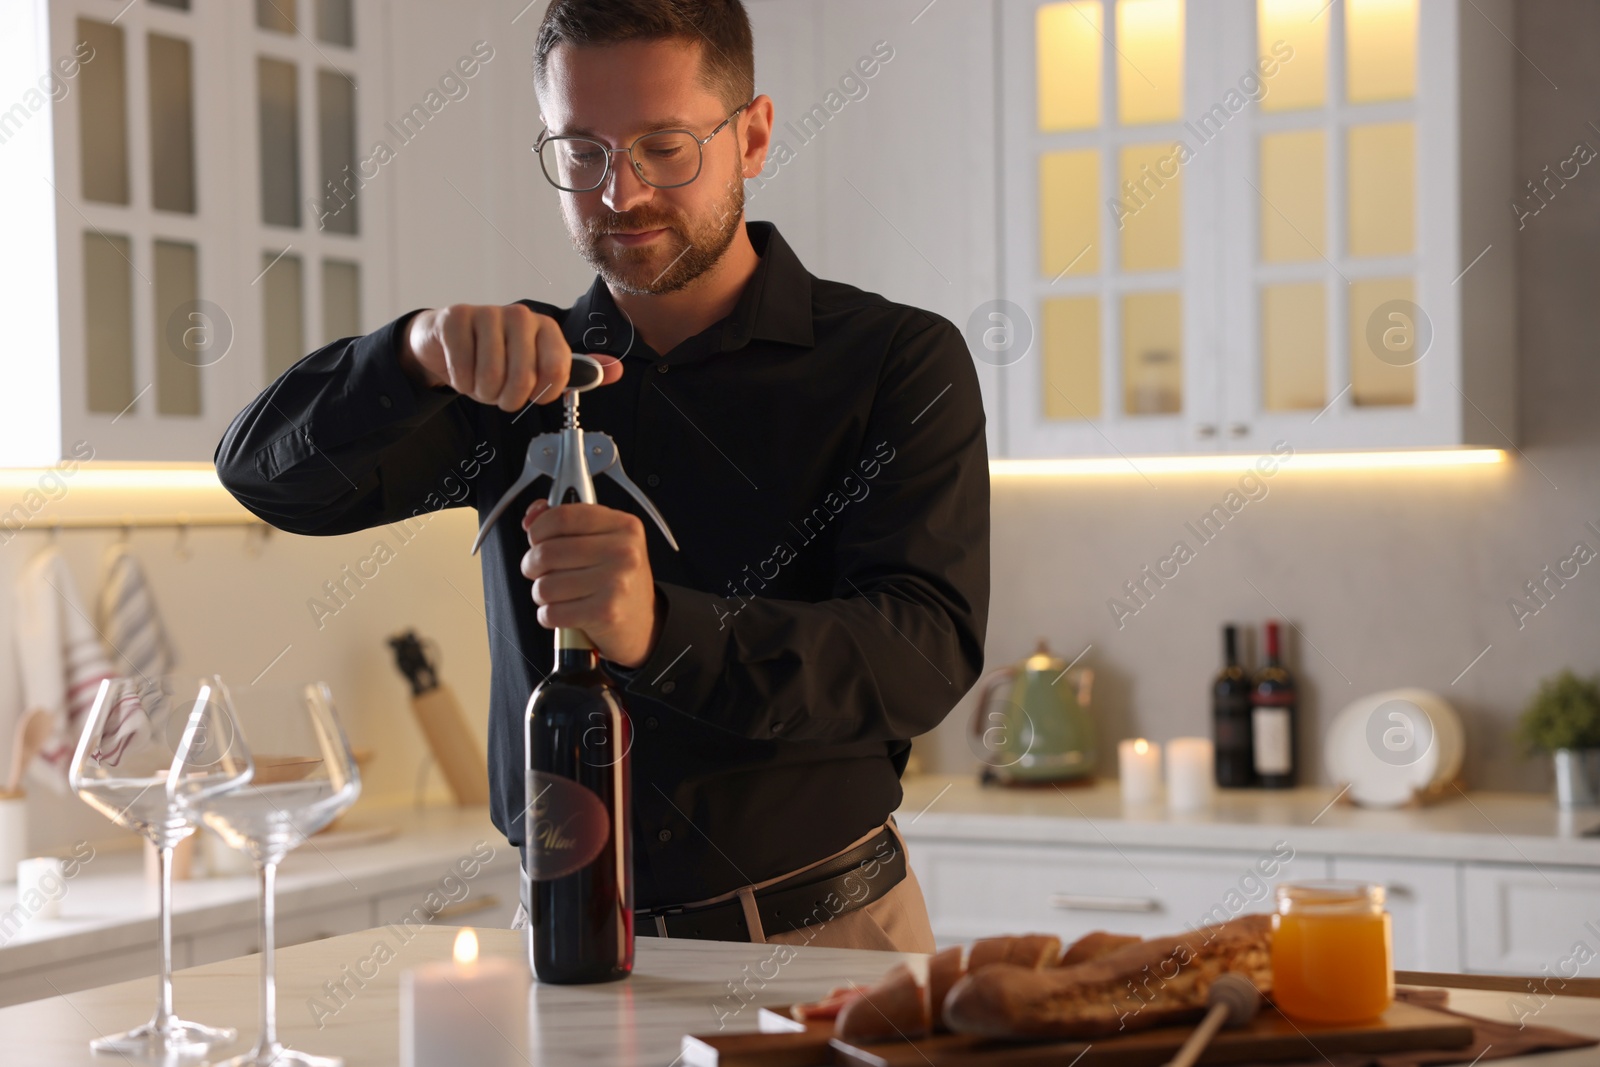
(775, 305)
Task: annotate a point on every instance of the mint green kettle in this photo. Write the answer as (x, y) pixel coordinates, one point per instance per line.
(1032, 722)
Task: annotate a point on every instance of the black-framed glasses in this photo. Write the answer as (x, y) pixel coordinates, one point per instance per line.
(664, 159)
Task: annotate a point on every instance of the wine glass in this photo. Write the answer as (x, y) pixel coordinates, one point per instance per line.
(304, 777)
(127, 768)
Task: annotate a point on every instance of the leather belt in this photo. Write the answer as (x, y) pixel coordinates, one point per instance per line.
(841, 884)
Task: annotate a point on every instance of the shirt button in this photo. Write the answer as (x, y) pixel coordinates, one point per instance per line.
(661, 368)
(777, 727)
(652, 480)
(650, 723)
(663, 836)
(384, 401)
(667, 687)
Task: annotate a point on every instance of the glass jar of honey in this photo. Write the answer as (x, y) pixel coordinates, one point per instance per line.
(1332, 952)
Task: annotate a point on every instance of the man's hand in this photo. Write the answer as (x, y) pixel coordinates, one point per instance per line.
(591, 572)
(506, 356)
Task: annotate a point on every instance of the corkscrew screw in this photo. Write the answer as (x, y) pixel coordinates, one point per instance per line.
(571, 458)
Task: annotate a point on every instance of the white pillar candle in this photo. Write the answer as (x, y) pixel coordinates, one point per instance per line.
(1139, 767)
(464, 1011)
(1190, 773)
(41, 883)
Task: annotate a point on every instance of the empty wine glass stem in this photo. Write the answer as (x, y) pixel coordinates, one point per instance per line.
(165, 1019)
(269, 982)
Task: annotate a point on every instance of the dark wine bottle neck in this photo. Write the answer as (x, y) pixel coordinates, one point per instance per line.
(1230, 646)
(575, 652)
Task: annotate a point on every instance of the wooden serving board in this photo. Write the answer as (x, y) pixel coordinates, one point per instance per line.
(783, 1042)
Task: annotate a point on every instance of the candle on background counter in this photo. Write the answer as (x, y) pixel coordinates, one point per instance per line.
(1190, 770)
(1139, 769)
(41, 883)
(464, 1011)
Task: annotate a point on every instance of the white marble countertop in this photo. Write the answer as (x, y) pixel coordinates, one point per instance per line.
(110, 905)
(677, 987)
(1471, 826)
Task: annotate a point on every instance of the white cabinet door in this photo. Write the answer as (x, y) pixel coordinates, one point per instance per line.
(1531, 920)
(1423, 909)
(978, 890)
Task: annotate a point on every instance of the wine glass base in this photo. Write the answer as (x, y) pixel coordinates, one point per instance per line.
(153, 1040)
(276, 1055)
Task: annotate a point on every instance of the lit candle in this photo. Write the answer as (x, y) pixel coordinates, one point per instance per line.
(1139, 766)
(1190, 773)
(464, 1011)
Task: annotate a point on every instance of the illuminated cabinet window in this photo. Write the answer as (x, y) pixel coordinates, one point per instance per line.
(207, 205)
(1254, 221)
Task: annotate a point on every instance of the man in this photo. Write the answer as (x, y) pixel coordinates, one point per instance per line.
(818, 452)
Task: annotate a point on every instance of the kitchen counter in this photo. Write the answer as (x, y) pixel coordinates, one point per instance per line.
(677, 987)
(1517, 828)
(379, 865)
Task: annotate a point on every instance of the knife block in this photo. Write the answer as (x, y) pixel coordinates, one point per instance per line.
(455, 749)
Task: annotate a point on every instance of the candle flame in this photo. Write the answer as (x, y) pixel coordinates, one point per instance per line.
(1141, 746)
(466, 946)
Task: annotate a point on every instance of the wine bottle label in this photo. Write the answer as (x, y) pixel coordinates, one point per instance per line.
(567, 826)
(1270, 727)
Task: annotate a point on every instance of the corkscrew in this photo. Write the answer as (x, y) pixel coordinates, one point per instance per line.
(571, 458)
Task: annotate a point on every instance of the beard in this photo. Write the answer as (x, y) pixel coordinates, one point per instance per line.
(688, 249)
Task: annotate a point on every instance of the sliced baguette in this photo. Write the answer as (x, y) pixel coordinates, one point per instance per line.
(1147, 983)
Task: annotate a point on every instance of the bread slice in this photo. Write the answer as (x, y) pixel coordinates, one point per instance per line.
(944, 971)
(1147, 983)
(897, 1007)
(1094, 945)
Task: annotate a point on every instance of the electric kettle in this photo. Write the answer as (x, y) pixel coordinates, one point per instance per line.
(1032, 722)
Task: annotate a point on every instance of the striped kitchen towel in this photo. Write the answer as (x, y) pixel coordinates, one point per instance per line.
(63, 664)
(128, 617)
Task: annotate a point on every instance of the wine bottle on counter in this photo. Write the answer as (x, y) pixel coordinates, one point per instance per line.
(1230, 718)
(1272, 718)
(578, 843)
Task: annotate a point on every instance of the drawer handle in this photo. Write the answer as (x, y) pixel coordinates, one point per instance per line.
(466, 907)
(1075, 902)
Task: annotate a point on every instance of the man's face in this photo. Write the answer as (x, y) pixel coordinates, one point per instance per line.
(613, 94)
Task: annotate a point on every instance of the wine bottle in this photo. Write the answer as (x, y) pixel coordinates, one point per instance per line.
(1272, 718)
(578, 842)
(1230, 718)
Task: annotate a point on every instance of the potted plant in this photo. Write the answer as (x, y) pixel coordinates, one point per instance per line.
(1563, 718)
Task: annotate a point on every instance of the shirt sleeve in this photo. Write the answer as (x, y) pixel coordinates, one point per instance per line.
(345, 440)
(901, 640)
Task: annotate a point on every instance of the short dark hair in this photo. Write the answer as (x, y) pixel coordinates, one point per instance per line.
(720, 27)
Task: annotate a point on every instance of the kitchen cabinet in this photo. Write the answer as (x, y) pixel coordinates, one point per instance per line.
(1285, 220)
(1424, 908)
(200, 223)
(976, 890)
(1499, 884)
(1535, 920)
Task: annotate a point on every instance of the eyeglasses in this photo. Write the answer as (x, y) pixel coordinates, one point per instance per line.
(664, 159)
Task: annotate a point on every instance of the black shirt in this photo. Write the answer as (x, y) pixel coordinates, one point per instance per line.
(820, 457)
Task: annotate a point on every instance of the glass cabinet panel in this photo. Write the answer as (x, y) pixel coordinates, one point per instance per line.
(275, 15)
(108, 321)
(341, 299)
(280, 142)
(177, 367)
(1380, 50)
(282, 312)
(103, 115)
(1152, 218)
(336, 22)
(1152, 353)
(336, 136)
(1302, 81)
(1293, 189)
(1382, 182)
(1069, 212)
(1149, 61)
(1383, 343)
(1071, 345)
(1068, 49)
(171, 124)
(1294, 346)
